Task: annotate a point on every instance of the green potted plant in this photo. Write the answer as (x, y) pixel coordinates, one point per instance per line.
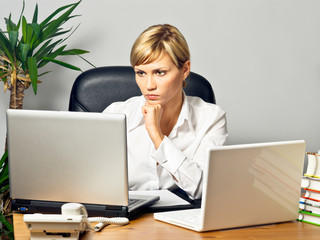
(7, 229)
(25, 47)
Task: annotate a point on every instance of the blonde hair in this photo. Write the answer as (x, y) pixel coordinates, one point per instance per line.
(155, 40)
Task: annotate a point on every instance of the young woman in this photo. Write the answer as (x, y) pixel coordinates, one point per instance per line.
(168, 132)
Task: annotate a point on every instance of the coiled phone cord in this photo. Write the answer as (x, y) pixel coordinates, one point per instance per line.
(103, 221)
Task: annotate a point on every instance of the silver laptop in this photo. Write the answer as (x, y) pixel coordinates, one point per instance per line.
(245, 185)
(57, 157)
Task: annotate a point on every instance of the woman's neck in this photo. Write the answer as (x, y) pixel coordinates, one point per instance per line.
(170, 116)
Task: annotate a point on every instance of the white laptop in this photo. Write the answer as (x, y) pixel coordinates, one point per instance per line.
(246, 185)
(57, 157)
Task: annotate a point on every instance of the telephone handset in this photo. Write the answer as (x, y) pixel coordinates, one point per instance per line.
(77, 209)
(72, 221)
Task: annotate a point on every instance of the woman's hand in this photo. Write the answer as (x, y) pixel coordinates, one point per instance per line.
(152, 116)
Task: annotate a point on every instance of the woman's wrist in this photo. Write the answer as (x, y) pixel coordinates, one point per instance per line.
(157, 139)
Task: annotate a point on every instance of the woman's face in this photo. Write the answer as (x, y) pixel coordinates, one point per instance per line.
(161, 81)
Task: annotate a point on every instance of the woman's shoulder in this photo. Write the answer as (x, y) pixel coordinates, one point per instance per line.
(125, 106)
(200, 106)
(205, 115)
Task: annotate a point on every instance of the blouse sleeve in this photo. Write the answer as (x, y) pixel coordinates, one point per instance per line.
(186, 169)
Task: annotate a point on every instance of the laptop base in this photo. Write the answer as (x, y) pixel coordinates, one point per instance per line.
(48, 207)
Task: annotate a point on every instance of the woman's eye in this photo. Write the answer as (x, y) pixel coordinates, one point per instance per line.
(140, 74)
(161, 73)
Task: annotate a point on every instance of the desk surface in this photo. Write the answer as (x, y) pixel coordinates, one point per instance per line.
(145, 227)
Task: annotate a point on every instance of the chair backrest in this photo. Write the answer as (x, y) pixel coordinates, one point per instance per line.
(97, 88)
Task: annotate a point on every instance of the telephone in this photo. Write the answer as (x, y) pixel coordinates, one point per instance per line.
(72, 222)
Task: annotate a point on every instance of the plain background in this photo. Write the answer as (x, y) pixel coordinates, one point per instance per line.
(262, 57)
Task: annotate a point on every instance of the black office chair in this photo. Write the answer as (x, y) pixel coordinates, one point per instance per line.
(97, 88)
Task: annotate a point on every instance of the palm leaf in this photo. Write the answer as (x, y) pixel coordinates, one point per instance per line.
(3, 158)
(49, 29)
(18, 25)
(5, 46)
(33, 71)
(71, 33)
(74, 52)
(57, 52)
(36, 29)
(41, 39)
(29, 33)
(64, 64)
(52, 54)
(53, 25)
(5, 186)
(10, 25)
(24, 49)
(58, 33)
(5, 222)
(46, 49)
(24, 29)
(4, 176)
(13, 37)
(43, 73)
(42, 49)
(4, 172)
(37, 33)
(35, 15)
(44, 23)
(86, 61)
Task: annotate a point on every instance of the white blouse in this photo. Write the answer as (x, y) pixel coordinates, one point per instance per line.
(181, 154)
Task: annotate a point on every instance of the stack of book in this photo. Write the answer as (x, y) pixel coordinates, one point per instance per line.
(310, 201)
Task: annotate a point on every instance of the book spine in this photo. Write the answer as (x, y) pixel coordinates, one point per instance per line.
(314, 176)
(312, 190)
(312, 194)
(309, 213)
(313, 165)
(301, 220)
(309, 207)
(309, 202)
(316, 200)
(310, 183)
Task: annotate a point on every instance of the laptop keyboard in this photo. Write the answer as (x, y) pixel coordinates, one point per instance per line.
(133, 202)
(193, 220)
(189, 217)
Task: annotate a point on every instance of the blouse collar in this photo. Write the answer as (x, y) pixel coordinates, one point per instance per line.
(184, 116)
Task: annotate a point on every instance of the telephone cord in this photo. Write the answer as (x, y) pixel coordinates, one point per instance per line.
(103, 221)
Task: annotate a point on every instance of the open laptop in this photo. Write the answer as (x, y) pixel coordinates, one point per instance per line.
(245, 185)
(58, 157)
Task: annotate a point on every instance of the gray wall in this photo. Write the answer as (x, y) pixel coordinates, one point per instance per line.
(262, 57)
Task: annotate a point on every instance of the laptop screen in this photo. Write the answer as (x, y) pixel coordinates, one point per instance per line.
(68, 156)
